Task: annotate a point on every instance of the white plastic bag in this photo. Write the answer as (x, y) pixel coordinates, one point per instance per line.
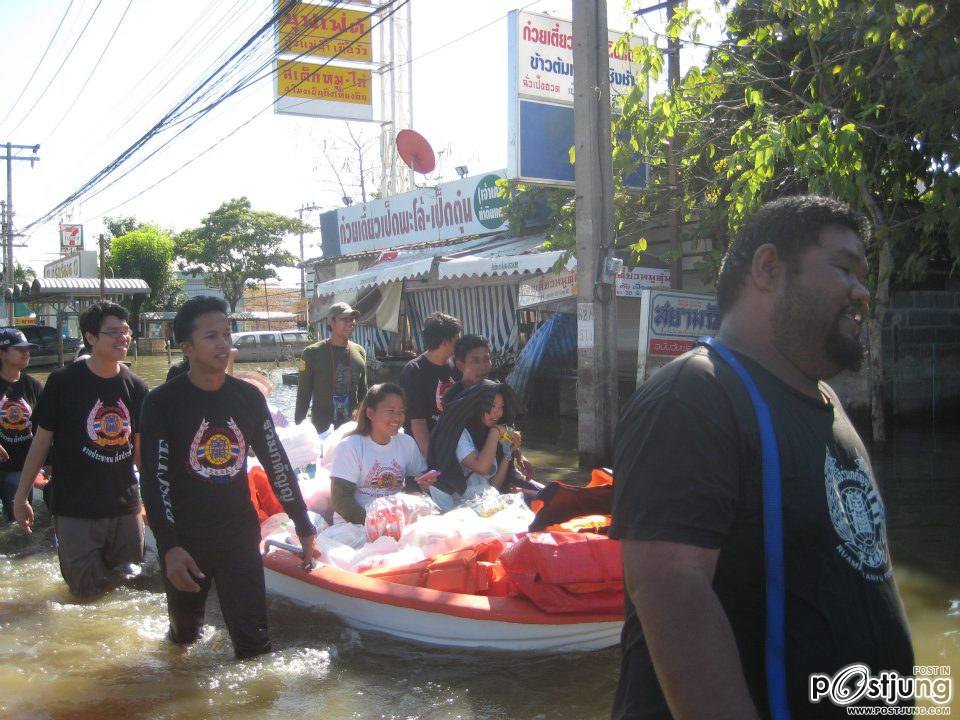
(349, 534)
(333, 437)
(381, 546)
(438, 534)
(316, 490)
(301, 442)
(399, 558)
(389, 515)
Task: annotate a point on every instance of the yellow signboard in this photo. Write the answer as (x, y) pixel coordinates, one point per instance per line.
(324, 31)
(19, 321)
(324, 90)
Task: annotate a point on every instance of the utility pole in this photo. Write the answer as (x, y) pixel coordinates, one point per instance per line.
(303, 270)
(102, 240)
(8, 236)
(597, 396)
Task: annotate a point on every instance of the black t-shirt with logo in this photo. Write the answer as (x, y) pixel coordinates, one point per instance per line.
(425, 384)
(688, 470)
(194, 446)
(17, 401)
(94, 421)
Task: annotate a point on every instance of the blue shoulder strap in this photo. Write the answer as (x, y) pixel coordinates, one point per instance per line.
(775, 639)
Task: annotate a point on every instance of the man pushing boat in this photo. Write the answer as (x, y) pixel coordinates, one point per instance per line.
(196, 431)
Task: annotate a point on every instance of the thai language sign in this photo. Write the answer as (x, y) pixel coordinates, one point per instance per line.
(676, 319)
(541, 94)
(324, 31)
(545, 60)
(552, 287)
(82, 263)
(471, 206)
(324, 90)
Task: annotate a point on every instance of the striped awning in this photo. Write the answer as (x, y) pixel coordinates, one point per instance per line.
(44, 289)
(490, 311)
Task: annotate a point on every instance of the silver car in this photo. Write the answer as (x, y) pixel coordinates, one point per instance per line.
(270, 345)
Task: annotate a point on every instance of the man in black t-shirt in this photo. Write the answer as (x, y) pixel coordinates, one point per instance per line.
(90, 412)
(473, 361)
(688, 494)
(18, 398)
(197, 429)
(427, 377)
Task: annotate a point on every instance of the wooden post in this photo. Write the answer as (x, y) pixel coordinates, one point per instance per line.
(597, 396)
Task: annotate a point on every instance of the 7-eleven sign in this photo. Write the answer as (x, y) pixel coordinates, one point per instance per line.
(71, 239)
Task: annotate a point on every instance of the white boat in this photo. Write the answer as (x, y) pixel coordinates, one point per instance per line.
(433, 616)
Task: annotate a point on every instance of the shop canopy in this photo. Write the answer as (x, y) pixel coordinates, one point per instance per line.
(60, 290)
(409, 264)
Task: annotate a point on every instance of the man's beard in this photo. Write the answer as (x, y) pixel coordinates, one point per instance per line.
(797, 323)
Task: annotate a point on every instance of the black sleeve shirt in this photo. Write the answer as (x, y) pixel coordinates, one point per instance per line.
(17, 403)
(194, 478)
(93, 421)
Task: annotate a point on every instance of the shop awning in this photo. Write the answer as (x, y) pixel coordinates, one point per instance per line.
(400, 265)
(490, 264)
(65, 289)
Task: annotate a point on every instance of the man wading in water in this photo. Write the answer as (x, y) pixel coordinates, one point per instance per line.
(687, 496)
(196, 431)
(90, 412)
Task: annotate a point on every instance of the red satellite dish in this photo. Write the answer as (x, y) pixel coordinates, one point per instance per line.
(415, 151)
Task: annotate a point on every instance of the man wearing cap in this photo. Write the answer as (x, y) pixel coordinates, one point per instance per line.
(333, 373)
(18, 398)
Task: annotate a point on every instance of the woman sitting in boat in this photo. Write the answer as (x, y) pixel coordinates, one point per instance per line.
(376, 458)
(473, 445)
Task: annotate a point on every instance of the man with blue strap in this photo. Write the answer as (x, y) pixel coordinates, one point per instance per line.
(754, 538)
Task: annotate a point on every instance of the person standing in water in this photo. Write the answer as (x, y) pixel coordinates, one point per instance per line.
(18, 398)
(90, 411)
(197, 429)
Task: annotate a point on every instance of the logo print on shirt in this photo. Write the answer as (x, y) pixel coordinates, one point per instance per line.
(218, 454)
(108, 426)
(14, 415)
(385, 480)
(858, 517)
(442, 387)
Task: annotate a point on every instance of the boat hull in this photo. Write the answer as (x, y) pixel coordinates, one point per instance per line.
(435, 617)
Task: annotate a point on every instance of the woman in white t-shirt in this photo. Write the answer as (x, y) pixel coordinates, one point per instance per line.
(376, 458)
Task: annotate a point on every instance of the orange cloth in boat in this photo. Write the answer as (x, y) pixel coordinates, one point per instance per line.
(471, 571)
(261, 494)
(584, 523)
(567, 572)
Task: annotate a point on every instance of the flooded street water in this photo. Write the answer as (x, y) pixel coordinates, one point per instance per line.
(108, 659)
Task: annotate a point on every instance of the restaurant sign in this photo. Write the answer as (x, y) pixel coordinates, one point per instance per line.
(670, 323)
(553, 287)
(452, 210)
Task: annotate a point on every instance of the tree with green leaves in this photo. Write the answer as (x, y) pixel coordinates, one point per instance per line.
(236, 246)
(145, 253)
(121, 225)
(856, 99)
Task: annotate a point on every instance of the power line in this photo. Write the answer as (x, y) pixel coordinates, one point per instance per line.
(157, 127)
(251, 118)
(86, 82)
(42, 58)
(56, 73)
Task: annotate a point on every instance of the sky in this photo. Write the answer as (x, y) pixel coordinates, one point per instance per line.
(160, 50)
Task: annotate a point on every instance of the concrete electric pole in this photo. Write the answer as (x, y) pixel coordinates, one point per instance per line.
(597, 395)
(303, 270)
(102, 244)
(8, 235)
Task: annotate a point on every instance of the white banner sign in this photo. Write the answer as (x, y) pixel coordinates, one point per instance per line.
(461, 208)
(551, 287)
(545, 62)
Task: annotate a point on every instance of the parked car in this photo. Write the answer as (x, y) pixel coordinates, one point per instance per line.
(45, 338)
(270, 346)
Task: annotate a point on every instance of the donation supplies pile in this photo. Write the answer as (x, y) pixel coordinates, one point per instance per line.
(481, 547)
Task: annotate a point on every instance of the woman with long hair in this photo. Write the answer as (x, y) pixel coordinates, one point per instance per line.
(469, 445)
(376, 458)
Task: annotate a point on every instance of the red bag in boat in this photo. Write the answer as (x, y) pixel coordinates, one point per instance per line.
(567, 572)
